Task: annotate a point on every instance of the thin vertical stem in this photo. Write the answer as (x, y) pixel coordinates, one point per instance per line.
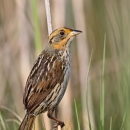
(102, 96)
(77, 115)
(111, 123)
(48, 15)
(90, 125)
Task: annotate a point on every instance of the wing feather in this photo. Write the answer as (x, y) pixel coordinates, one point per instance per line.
(44, 79)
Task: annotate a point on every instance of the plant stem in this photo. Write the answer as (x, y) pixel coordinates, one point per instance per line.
(48, 15)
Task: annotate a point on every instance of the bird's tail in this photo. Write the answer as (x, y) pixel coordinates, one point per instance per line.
(27, 123)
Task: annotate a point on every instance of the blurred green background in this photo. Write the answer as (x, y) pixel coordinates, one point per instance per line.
(23, 35)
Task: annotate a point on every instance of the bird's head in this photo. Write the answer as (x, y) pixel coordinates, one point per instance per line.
(60, 38)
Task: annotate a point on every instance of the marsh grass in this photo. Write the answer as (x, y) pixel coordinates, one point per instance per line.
(77, 116)
(108, 69)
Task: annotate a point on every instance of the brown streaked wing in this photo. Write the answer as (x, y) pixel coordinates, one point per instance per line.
(45, 86)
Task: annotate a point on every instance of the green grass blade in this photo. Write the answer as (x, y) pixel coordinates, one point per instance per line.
(123, 122)
(13, 121)
(102, 90)
(2, 122)
(16, 115)
(111, 123)
(77, 115)
(90, 126)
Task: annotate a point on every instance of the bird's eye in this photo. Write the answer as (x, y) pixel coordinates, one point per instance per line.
(62, 32)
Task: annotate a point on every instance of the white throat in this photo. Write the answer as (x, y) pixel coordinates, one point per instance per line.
(69, 41)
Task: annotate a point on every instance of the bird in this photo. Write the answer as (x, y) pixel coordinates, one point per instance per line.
(48, 79)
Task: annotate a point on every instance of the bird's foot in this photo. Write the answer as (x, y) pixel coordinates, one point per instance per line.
(60, 123)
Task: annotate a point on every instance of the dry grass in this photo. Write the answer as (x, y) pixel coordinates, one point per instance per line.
(23, 34)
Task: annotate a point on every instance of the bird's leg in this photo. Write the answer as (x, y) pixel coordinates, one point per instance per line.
(56, 116)
(49, 114)
(56, 112)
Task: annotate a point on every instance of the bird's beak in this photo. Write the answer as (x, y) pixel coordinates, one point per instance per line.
(75, 32)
